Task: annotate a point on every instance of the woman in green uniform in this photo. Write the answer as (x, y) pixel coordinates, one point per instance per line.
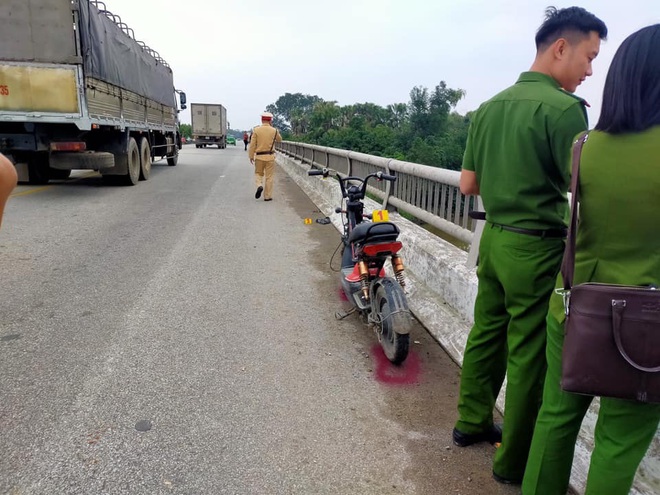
(617, 243)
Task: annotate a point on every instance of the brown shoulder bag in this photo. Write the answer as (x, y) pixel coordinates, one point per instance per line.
(612, 332)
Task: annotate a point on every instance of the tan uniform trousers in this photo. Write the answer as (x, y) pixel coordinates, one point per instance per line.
(264, 168)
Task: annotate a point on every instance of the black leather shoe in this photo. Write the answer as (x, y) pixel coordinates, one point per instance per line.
(506, 481)
(257, 195)
(268, 199)
(493, 435)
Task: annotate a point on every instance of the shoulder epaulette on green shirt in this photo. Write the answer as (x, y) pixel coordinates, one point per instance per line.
(584, 102)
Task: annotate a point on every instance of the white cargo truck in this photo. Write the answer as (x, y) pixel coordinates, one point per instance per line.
(209, 124)
(79, 91)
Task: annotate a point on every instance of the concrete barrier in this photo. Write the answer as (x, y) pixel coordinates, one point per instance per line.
(441, 292)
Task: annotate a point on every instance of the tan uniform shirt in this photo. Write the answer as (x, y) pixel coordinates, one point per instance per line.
(262, 142)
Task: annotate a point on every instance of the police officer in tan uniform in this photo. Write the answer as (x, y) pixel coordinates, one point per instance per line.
(262, 155)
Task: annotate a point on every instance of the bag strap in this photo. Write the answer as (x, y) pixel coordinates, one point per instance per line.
(568, 262)
(272, 146)
(618, 307)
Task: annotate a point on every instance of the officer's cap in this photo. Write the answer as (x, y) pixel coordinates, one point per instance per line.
(266, 116)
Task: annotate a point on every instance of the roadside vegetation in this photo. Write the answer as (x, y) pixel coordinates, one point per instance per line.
(425, 130)
(186, 130)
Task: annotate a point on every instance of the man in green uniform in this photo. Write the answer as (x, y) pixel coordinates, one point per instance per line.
(517, 158)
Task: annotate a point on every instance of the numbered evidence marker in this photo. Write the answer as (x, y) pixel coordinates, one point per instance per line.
(380, 216)
(308, 221)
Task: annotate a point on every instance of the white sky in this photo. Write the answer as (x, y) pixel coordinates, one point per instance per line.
(245, 55)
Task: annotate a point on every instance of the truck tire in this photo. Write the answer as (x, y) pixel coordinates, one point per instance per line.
(133, 156)
(145, 159)
(38, 169)
(173, 160)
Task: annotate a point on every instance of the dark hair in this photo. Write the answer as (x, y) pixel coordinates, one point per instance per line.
(566, 23)
(631, 97)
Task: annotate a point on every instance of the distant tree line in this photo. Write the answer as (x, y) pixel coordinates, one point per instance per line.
(186, 131)
(425, 130)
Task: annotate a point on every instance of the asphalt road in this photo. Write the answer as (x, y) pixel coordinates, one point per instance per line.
(178, 337)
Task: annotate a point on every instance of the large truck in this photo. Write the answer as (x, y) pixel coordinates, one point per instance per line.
(209, 124)
(79, 91)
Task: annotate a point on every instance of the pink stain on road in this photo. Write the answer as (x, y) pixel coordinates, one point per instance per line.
(407, 373)
(342, 295)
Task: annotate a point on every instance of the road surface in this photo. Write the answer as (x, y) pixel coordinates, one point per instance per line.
(178, 337)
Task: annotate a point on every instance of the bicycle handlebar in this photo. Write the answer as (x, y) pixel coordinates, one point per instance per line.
(325, 172)
(353, 194)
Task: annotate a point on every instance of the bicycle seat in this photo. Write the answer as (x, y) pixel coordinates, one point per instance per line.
(366, 233)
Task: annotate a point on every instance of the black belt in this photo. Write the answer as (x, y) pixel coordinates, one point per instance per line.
(552, 233)
(265, 152)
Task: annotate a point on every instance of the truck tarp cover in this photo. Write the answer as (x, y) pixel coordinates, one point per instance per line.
(112, 56)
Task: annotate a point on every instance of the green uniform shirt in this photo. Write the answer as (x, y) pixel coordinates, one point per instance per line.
(519, 146)
(617, 242)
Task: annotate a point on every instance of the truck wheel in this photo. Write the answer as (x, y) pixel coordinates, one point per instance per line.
(38, 170)
(133, 156)
(173, 160)
(145, 159)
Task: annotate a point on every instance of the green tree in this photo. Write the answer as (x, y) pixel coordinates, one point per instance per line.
(291, 105)
(441, 102)
(419, 111)
(185, 130)
(425, 130)
(397, 115)
(429, 112)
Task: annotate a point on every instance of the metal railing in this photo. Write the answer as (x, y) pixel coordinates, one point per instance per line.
(430, 194)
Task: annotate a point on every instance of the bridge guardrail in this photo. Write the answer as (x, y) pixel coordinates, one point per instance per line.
(430, 194)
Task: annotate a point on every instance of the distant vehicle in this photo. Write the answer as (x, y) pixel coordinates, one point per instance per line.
(83, 93)
(231, 140)
(209, 124)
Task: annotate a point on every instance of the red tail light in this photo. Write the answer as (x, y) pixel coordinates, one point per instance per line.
(382, 249)
(69, 146)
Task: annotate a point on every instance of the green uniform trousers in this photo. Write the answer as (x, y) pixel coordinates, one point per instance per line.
(623, 433)
(517, 274)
